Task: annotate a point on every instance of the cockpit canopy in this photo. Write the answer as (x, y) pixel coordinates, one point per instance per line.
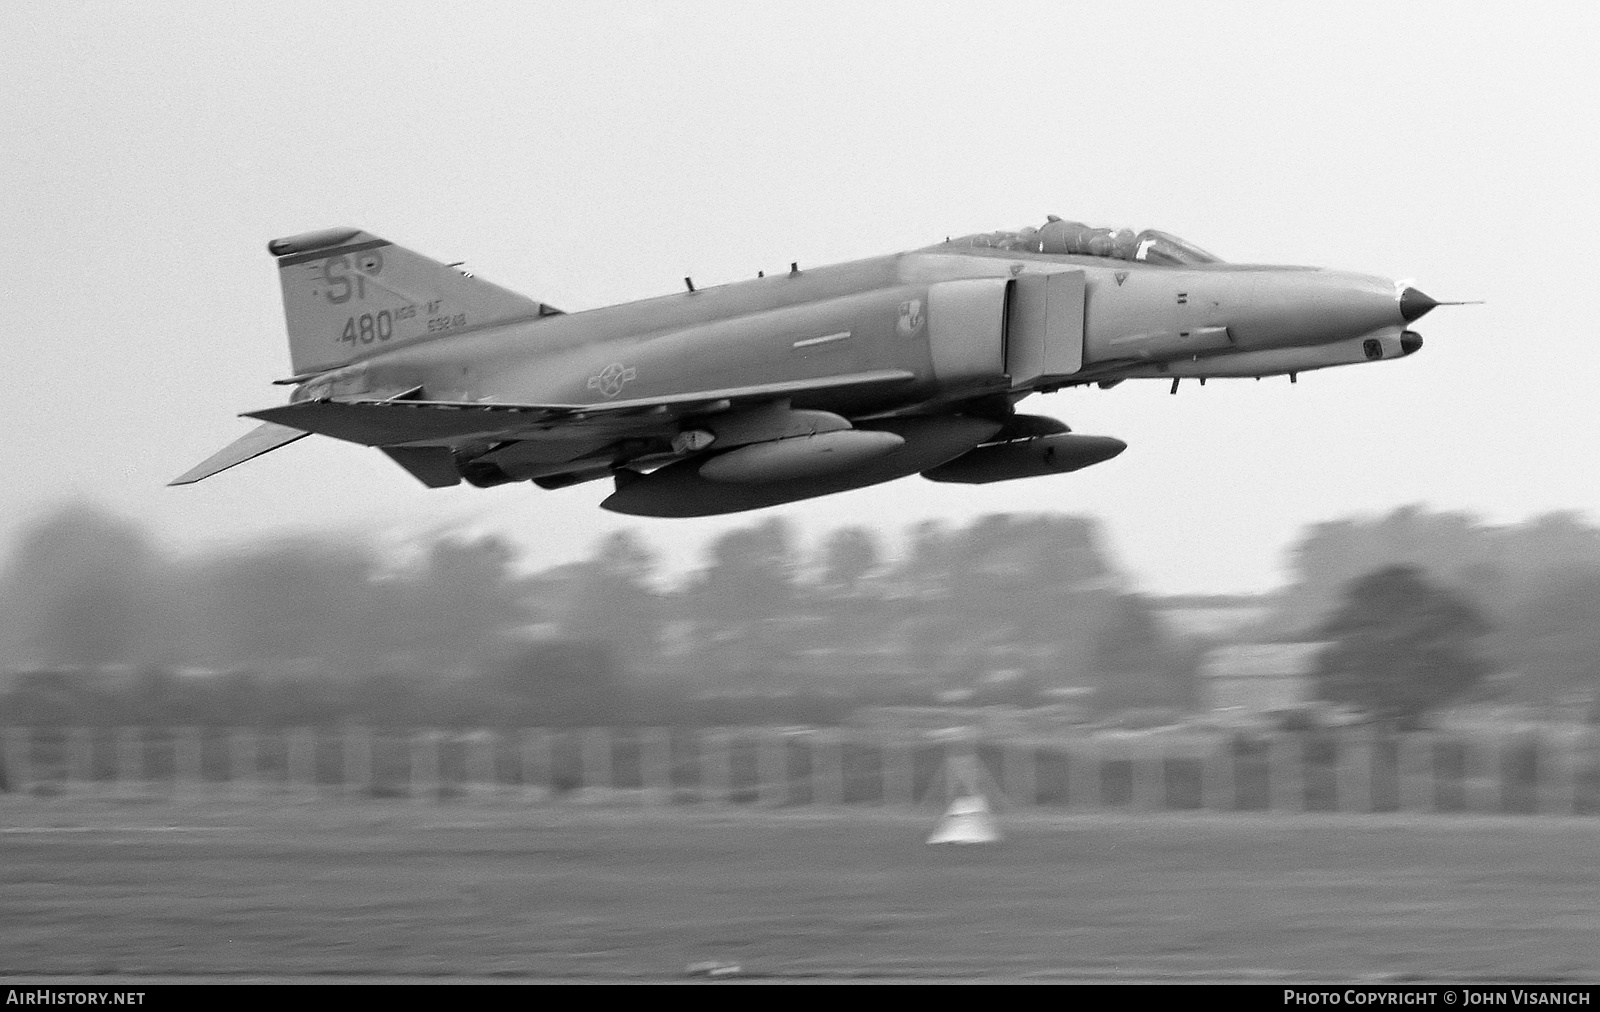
(1058, 236)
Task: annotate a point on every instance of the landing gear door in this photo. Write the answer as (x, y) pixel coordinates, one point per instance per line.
(1044, 336)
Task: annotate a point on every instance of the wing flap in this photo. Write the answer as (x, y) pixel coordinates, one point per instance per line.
(263, 438)
(434, 466)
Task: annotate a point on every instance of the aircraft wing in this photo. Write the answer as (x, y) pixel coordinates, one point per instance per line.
(394, 422)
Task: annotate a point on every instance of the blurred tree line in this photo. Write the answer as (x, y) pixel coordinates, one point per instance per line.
(99, 624)
(1535, 587)
(1400, 646)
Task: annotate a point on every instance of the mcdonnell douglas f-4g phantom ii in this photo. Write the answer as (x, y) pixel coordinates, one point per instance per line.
(797, 385)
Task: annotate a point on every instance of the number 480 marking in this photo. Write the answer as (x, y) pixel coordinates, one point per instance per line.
(368, 327)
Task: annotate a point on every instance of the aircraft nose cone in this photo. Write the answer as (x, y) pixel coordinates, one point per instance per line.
(1413, 304)
(1410, 341)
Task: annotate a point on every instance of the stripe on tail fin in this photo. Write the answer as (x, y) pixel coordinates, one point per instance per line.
(348, 294)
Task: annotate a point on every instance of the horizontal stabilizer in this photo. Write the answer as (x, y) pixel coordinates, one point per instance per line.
(395, 422)
(263, 438)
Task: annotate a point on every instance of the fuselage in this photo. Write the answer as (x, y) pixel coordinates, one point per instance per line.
(897, 313)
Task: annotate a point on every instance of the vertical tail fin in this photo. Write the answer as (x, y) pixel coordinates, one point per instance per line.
(348, 294)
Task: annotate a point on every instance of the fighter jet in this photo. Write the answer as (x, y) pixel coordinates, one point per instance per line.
(800, 384)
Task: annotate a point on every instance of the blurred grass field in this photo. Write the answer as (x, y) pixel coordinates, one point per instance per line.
(564, 891)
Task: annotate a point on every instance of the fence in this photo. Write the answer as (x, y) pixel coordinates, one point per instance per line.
(1346, 772)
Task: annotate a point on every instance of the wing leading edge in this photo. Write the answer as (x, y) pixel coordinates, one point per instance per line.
(397, 422)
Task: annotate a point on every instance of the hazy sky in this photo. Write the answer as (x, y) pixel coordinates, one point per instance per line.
(588, 154)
